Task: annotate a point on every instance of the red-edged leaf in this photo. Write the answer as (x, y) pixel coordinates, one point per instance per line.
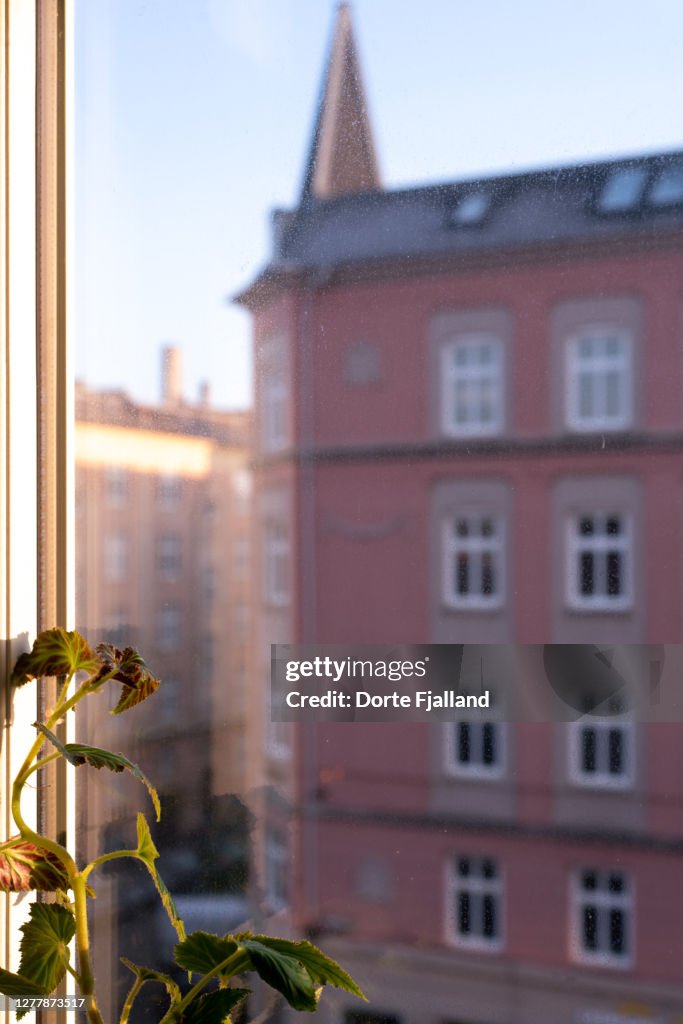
(55, 652)
(24, 867)
(137, 681)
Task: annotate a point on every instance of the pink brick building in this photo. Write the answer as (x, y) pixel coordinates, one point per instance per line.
(470, 422)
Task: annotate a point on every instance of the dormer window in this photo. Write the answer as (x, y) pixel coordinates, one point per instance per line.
(470, 209)
(622, 190)
(667, 189)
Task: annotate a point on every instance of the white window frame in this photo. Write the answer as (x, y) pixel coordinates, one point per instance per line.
(599, 544)
(602, 778)
(478, 886)
(475, 545)
(471, 378)
(276, 555)
(116, 485)
(116, 556)
(276, 860)
(601, 365)
(169, 491)
(605, 901)
(169, 557)
(474, 769)
(166, 642)
(36, 386)
(277, 735)
(274, 398)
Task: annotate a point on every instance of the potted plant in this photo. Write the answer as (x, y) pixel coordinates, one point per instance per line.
(32, 861)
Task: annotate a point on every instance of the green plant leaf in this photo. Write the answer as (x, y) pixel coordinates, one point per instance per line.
(25, 867)
(284, 973)
(147, 974)
(148, 853)
(214, 1007)
(82, 753)
(18, 985)
(45, 944)
(55, 652)
(322, 969)
(132, 671)
(202, 951)
(146, 849)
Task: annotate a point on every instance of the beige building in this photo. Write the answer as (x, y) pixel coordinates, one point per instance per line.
(163, 500)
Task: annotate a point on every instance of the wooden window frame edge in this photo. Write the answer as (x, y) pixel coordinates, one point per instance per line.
(36, 381)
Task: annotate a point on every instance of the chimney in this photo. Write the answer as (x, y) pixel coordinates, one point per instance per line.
(204, 394)
(171, 376)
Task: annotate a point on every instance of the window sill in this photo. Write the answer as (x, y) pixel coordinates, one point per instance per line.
(474, 606)
(599, 608)
(475, 945)
(602, 784)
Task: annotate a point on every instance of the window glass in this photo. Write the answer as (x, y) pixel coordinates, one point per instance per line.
(622, 190)
(473, 387)
(379, 341)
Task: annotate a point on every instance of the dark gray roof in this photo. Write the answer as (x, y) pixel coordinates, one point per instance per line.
(558, 205)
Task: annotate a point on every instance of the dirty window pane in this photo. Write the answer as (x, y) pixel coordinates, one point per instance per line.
(379, 321)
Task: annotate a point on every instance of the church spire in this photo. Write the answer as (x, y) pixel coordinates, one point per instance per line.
(342, 156)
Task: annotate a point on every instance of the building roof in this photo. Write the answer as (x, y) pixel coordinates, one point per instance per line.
(342, 157)
(116, 409)
(604, 201)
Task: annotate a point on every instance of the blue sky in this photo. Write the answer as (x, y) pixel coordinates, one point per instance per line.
(193, 117)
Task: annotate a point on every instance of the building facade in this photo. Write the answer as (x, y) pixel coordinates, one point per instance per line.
(469, 428)
(164, 540)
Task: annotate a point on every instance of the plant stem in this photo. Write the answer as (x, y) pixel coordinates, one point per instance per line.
(42, 842)
(86, 980)
(41, 763)
(74, 974)
(114, 855)
(236, 963)
(130, 999)
(28, 767)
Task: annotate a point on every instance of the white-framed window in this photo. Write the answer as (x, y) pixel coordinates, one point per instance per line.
(602, 752)
(116, 557)
(599, 561)
(274, 413)
(169, 700)
(475, 749)
(602, 917)
(169, 490)
(169, 619)
(278, 735)
(276, 557)
(472, 386)
(599, 379)
(169, 556)
(116, 486)
(475, 903)
(473, 556)
(277, 869)
(117, 628)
